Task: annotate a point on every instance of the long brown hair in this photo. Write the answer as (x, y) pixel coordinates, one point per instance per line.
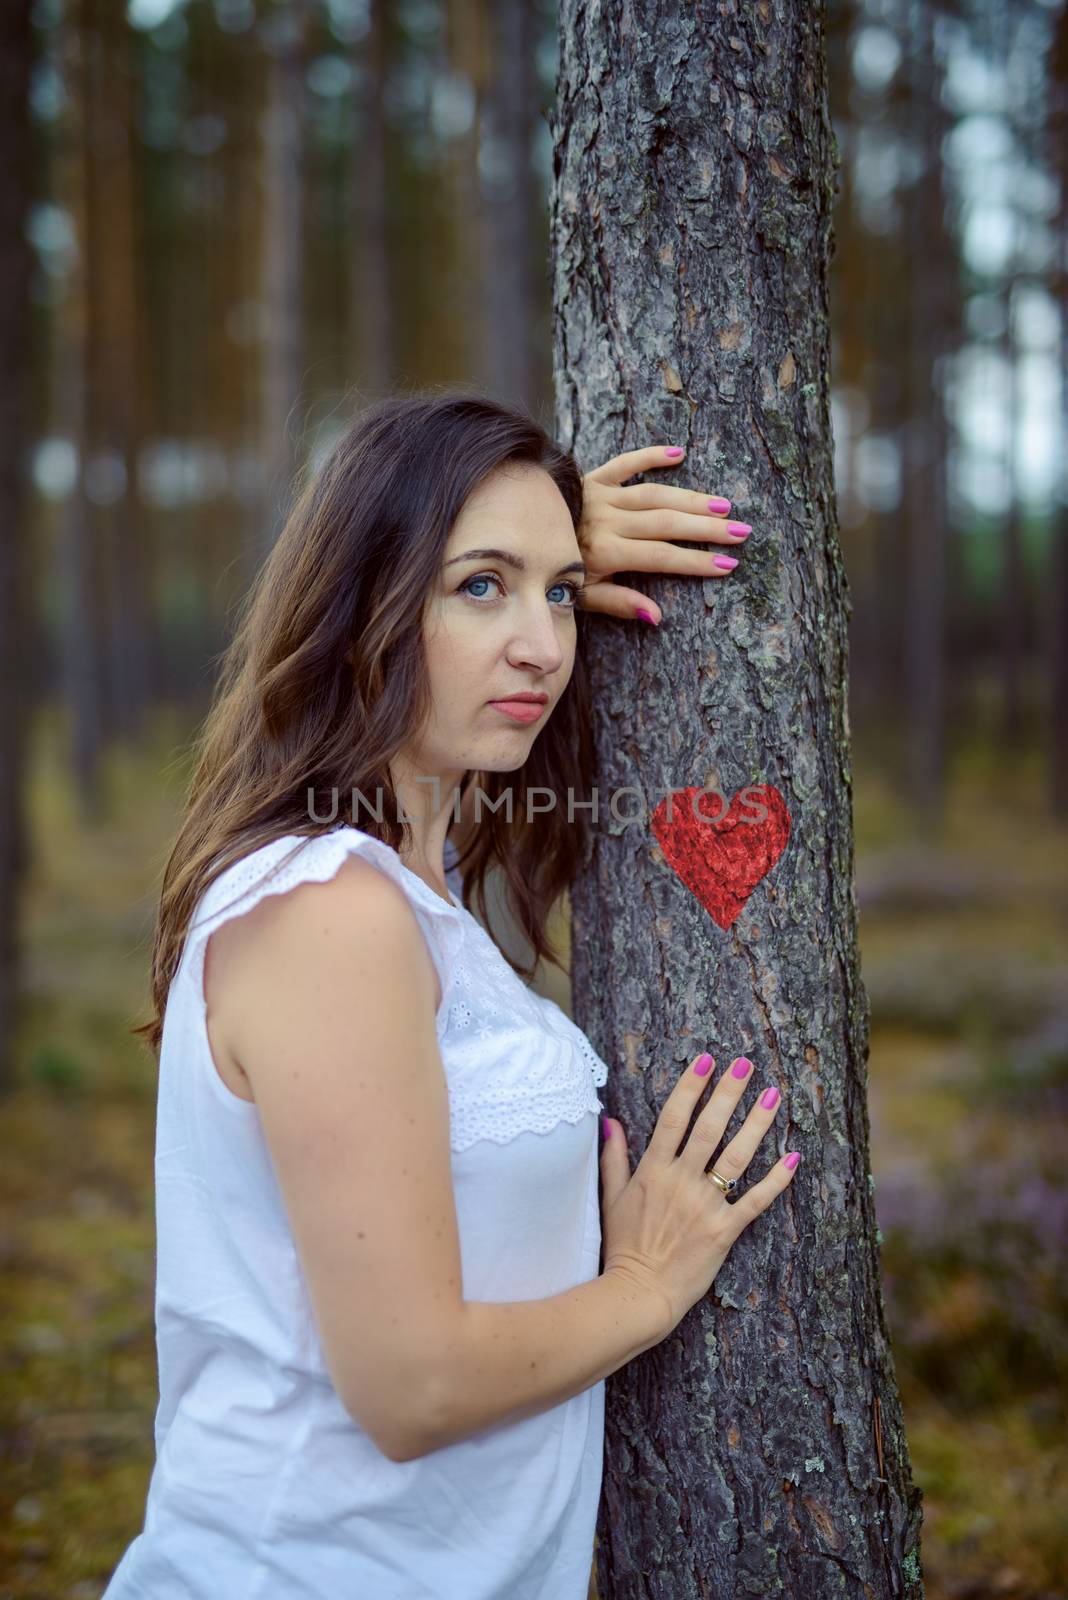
(325, 679)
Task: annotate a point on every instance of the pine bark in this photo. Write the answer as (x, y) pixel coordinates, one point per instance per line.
(759, 1450)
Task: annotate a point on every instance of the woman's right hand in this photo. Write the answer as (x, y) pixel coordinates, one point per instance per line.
(667, 1228)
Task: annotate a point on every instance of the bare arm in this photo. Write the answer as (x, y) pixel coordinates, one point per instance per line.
(513, 1359)
(329, 1007)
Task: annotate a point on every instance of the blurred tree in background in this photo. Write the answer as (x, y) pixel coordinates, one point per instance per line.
(241, 219)
(16, 46)
(247, 218)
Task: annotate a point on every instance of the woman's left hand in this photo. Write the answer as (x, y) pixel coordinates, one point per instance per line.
(625, 530)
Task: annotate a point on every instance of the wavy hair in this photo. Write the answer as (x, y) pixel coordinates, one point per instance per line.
(325, 679)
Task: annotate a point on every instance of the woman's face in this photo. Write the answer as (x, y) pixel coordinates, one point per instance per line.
(496, 627)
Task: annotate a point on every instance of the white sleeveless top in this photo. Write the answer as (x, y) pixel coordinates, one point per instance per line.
(263, 1487)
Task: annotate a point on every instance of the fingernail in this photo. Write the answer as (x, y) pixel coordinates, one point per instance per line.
(742, 529)
(742, 1066)
(674, 450)
(792, 1159)
(725, 562)
(607, 1126)
(646, 616)
(702, 1065)
(719, 506)
(769, 1098)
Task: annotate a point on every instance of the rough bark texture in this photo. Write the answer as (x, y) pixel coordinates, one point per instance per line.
(759, 1450)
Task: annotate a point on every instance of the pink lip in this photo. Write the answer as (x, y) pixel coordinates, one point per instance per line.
(520, 710)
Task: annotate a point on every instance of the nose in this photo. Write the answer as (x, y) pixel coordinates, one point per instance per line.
(536, 640)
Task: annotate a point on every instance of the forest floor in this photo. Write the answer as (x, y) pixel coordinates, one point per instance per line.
(964, 943)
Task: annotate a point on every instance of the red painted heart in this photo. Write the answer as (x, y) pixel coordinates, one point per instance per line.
(722, 859)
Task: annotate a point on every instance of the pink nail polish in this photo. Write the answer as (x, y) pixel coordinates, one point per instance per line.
(769, 1098)
(702, 1065)
(792, 1159)
(741, 1066)
(725, 563)
(607, 1127)
(646, 616)
(674, 450)
(719, 506)
(742, 529)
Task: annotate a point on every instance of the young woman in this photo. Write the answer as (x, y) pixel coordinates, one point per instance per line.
(383, 1329)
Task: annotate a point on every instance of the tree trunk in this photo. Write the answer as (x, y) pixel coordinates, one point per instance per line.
(82, 612)
(374, 313)
(929, 314)
(853, 330)
(1012, 619)
(508, 108)
(115, 399)
(1012, 590)
(759, 1450)
(1056, 611)
(463, 63)
(15, 53)
(283, 129)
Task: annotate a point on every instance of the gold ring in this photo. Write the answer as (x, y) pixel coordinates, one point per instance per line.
(726, 1184)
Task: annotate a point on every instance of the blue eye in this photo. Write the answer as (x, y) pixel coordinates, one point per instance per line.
(491, 577)
(483, 577)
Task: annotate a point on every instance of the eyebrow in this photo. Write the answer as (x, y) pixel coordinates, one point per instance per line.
(510, 560)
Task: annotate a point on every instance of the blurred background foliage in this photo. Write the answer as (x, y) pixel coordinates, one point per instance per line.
(248, 218)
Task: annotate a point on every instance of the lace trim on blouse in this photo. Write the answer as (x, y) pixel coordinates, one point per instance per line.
(515, 1062)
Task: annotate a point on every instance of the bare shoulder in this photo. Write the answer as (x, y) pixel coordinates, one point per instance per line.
(289, 948)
